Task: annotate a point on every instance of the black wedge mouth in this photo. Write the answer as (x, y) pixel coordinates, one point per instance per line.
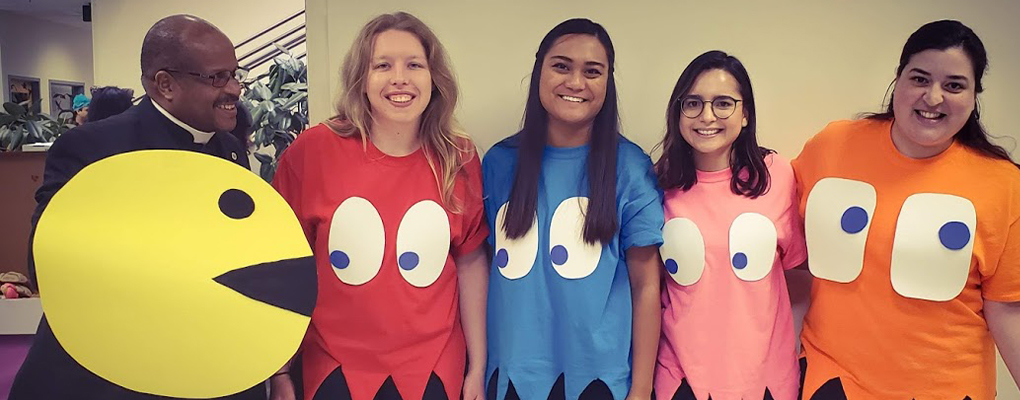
(289, 284)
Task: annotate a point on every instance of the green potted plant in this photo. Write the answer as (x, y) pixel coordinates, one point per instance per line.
(20, 126)
(278, 103)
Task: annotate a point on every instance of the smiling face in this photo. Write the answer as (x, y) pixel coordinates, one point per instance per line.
(196, 101)
(575, 74)
(399, 84)
(712, 137)
(933, 98)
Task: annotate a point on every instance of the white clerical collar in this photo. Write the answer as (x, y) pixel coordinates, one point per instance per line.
(200, 137)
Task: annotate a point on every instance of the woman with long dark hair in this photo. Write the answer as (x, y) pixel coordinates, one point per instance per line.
(576, 222)
(912, 219)
(732, 230)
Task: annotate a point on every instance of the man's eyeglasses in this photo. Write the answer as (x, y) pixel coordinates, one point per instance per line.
(218, 79)
(722, 106)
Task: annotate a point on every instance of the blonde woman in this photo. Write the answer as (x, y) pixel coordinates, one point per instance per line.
(389, 194)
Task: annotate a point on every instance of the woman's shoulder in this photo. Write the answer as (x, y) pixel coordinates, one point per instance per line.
(629, 154)
(503, 152)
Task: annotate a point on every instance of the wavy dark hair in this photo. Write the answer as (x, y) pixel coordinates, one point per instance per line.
(675, 168)
(600, 222)
(943, 35)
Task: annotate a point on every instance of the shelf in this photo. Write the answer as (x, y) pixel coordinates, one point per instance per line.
(20, 316)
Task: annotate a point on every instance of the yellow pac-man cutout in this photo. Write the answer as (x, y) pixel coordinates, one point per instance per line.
(174, 273)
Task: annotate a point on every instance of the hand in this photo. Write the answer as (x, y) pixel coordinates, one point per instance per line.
(281, 387)
(474, 386)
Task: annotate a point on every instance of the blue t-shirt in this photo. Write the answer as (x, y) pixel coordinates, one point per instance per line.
(556, 304)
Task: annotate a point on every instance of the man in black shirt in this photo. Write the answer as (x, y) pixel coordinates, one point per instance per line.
(190, 76)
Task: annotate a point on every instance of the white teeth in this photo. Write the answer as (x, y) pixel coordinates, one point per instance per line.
(707, 132)
(400, 98)
(226, 106)
(572, 99)
(929, 115)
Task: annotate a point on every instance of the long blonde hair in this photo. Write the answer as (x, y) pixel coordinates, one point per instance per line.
(446, 147)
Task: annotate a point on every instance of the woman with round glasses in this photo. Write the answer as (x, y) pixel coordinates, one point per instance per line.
(912, 219)
(732, 229)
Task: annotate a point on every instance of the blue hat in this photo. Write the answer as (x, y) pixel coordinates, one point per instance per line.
(80, 101)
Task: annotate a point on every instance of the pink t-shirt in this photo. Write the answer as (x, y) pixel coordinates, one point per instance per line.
(727, 325)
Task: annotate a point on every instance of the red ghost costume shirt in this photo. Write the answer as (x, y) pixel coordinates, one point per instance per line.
(385, 245)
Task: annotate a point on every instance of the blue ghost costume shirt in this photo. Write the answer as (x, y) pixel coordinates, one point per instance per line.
(556, 304)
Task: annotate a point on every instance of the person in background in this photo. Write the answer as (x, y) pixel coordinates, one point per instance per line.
(80, 106)
(108, 101)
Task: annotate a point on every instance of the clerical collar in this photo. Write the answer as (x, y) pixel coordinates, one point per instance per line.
(200, 137)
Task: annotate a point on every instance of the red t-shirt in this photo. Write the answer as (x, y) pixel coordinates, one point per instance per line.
(384, 244)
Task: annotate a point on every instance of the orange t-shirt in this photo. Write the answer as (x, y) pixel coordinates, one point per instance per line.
(904, 252)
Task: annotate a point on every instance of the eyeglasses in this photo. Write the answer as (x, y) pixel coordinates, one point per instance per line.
(722, 106)
(218, 79)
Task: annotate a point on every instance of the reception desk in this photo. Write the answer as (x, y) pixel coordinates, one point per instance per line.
(20, 175)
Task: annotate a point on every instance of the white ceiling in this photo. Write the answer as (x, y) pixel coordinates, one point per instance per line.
(67, 12)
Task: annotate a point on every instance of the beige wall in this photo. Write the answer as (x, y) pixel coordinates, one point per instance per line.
(118, 27)
(46, 50)
(810, 63)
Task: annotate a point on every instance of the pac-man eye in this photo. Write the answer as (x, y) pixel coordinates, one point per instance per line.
(423, 243)
(356, 241)
(752, 246)
(837, 218)
(514, 258)
(931, 254)
(236, 204)
(571, 256)
(683, 251)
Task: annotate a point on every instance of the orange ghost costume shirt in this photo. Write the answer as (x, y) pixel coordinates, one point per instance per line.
(904, 253)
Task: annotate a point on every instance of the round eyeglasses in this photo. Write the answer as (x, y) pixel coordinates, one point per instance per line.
(722, 106)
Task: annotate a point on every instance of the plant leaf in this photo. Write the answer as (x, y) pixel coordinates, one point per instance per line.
(266, 171)
(284, 124)
(295, 86)
(15, 109)
(263, 158)
(17, 137)
(281, 48)
(33, 130)
(262, 92)
(291, 102)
